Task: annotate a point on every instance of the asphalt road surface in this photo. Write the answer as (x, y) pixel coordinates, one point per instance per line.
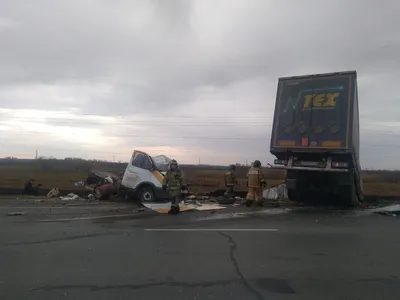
(110, 252)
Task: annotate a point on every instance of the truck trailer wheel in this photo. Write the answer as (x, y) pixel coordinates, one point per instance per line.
(146, 194)
(294, 195)
(353, 197)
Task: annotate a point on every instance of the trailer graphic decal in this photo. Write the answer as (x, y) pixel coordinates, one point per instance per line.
(318, 101)
(292, 102)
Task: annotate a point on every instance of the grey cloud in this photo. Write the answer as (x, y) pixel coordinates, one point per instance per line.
(98, 42)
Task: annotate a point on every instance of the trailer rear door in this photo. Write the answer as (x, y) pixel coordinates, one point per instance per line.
(314, 112)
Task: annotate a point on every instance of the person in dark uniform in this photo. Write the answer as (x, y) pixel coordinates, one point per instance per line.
(174, 182)
(31, 190)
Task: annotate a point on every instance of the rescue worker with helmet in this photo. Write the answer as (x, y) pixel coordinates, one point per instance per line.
(230, 181)
(173, 182)
(255, 183)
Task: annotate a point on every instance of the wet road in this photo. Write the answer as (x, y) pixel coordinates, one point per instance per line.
(74, 253)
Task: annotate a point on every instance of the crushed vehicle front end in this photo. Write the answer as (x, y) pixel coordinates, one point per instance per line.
(144, 176)
(103, 184)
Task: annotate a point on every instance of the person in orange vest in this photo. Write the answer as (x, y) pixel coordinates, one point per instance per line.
(230, 181)
(255, 183)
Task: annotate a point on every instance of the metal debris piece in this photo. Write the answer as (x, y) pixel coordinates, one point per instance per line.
(54, 192)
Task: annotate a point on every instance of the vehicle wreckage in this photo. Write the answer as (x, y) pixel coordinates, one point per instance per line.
(142, 180)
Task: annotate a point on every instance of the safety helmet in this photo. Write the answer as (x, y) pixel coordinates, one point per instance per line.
(257, 163)
(173, 163)
(232, 167)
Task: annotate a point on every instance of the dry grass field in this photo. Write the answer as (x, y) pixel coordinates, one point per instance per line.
(201, 179)
(376, 183)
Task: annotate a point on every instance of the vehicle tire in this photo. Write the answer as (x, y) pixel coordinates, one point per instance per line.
(349, 196)
(353, 199)
(294, 195)
(146, 194)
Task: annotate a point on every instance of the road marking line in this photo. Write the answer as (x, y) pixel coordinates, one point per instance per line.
(64, 207)
(213, 229)
(31, 207)
(88, 218)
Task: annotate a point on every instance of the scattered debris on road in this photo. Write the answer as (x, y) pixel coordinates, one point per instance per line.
(225, 200)
(276, 192)
(196, 197)
(16, 213)
(70, 196)
(54, 192)
(391, 210)
(163, 208)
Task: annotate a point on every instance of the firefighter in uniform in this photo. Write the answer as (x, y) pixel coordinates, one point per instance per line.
(230, 181)
(255, 183)
(173, 182)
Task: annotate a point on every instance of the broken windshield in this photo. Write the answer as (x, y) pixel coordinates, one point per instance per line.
(161, 162)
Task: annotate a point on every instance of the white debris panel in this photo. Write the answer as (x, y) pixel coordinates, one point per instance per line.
(276, 192)
(70, 197)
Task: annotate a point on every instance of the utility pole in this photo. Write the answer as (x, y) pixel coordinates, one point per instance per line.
(199, 161)
(36, 156)
(113, 157)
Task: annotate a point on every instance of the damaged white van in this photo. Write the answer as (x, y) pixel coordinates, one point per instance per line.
(144, 175)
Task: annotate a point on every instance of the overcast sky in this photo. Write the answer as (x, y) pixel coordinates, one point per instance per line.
(192, 79)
